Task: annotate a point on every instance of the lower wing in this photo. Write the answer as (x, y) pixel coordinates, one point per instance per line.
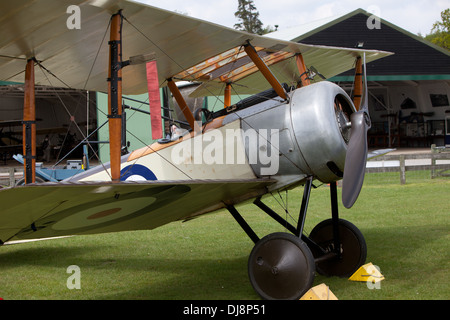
(60, 209)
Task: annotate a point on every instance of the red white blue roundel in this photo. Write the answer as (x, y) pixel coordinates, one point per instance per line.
(137, 172)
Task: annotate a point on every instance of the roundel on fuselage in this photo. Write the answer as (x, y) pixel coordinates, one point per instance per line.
(137, 172)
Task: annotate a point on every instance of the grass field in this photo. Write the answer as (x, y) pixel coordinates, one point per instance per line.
(407, 230)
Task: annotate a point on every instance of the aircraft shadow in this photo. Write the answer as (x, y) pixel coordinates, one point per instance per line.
(107, 276)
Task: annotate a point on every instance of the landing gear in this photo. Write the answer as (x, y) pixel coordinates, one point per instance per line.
(283, 265)
(352, 248)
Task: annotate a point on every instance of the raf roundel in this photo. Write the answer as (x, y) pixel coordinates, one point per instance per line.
(137, 172)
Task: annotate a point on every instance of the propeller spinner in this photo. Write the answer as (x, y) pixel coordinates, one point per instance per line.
(355, 160)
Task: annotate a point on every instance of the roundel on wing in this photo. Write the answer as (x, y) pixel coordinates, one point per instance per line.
(136, 172)
(106, 211)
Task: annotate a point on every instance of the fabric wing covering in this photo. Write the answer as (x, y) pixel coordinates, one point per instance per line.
(79, 57)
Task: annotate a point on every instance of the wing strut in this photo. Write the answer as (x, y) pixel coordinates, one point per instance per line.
(227, 98)
(181, 103)
(29, 124)
(251, 52)
(304, 79)
(358, 91)
(115, 95)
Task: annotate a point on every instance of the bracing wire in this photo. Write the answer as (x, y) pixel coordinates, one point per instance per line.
(284, 205)
(66, 109)
(181, 67)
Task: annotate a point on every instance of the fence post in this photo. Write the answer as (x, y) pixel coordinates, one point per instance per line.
(402, 169)
(12, 177)
(433, 161)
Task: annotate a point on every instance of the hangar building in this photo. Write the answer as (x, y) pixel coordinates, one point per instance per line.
(409, 91)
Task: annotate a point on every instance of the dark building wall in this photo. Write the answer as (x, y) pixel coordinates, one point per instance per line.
(412, 57)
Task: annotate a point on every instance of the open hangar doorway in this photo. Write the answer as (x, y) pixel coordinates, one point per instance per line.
(64, 117)
(408, 113)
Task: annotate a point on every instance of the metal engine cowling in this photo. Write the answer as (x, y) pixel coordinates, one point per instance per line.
(320, 115)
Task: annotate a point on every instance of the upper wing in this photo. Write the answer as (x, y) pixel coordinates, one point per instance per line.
(59, 209)
(79, 58)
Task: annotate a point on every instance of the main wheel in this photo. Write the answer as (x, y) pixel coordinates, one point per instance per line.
(353, 248)
(281, 266)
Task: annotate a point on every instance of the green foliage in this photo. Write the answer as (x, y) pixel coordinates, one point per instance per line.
(440, 33)
(248, 17)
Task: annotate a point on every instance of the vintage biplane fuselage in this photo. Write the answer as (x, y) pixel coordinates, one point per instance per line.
(274, 139)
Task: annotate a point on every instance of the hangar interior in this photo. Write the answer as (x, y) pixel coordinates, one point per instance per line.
(408, 113)
(64, 117)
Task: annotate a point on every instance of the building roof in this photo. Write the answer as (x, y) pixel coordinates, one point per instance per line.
(415, 58)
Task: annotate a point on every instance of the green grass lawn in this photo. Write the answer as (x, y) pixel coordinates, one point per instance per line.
(406, 229)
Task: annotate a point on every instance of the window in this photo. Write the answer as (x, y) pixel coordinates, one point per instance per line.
(439, 100)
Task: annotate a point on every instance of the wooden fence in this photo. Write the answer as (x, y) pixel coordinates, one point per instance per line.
(10, 175)
(437, 161)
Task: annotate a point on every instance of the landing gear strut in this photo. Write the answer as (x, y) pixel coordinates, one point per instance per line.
(283, 265)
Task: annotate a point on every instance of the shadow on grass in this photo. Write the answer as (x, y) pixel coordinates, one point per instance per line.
(174, 279)
(414, 259)
(42, 255)
(106, 276)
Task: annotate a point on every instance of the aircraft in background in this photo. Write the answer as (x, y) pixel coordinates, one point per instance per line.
(294, 129)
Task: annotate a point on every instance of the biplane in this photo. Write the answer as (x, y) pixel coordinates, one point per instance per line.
(292, 129)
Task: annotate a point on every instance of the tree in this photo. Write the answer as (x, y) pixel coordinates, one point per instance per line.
(440, 33)
(248, 18)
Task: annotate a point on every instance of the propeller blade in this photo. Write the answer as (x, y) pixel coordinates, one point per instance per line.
(355, 160)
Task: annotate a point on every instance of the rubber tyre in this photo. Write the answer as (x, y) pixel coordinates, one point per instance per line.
(281, 266)
(353, 248)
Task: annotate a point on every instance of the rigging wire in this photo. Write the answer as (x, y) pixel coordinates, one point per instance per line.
(96, 55)
(236, 113)
(283, 205)
(67, 110)
(182, 68)
(153, 43)
(160, 155)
